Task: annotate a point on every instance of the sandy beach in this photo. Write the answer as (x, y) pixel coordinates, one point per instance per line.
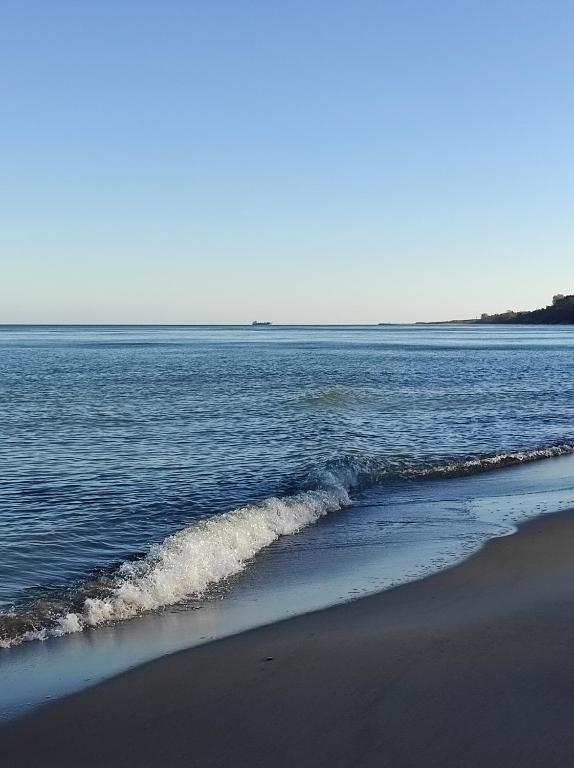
(286, 389)
(470, 667)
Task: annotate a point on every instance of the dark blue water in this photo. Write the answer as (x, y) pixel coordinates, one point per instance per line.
(114, 438)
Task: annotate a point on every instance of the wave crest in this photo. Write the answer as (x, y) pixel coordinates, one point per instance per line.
(188, 562)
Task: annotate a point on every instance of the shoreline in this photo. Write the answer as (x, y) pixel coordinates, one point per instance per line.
(467, 666)
(449, 519)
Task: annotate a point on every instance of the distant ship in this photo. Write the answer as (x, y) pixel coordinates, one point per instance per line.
(261, 322)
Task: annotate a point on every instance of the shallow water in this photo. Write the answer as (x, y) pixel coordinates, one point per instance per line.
(351, 454)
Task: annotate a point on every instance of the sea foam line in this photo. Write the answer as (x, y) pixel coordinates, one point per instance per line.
(186, 563)
(189, 561)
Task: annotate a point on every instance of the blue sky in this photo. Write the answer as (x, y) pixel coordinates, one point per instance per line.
(293, 161)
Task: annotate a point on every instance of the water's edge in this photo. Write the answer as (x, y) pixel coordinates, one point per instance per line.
(186, 649)
(484, 505)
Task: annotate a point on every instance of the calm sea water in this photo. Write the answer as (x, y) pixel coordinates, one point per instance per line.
(144, 466)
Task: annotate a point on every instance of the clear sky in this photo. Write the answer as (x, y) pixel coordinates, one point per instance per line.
(296, 161)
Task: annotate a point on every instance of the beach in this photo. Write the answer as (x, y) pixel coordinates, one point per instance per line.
(264, 500)
(471, 666)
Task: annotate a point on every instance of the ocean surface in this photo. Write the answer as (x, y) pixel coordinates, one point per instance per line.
(255, 472)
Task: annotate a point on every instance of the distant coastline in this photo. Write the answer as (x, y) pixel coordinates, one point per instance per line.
(560, 312)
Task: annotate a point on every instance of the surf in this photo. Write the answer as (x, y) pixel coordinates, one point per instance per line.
(187, 563)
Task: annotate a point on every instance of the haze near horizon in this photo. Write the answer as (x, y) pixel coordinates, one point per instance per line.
(182, 162)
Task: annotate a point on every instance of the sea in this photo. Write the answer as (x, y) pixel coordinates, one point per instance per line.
(164, 486)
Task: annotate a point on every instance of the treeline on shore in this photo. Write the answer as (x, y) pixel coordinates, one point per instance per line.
(561, 311)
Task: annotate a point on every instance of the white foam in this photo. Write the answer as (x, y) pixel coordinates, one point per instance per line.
(205, 553)
(482, 464)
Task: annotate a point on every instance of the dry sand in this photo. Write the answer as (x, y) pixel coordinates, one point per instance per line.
(473, 666)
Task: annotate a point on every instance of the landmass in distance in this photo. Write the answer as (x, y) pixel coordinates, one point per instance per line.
(560, 312)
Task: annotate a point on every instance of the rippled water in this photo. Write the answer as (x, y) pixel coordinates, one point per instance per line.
(114, 438)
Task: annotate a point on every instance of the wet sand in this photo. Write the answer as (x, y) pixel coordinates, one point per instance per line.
(473, 666)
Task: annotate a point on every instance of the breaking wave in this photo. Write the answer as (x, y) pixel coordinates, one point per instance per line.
(187, 563)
